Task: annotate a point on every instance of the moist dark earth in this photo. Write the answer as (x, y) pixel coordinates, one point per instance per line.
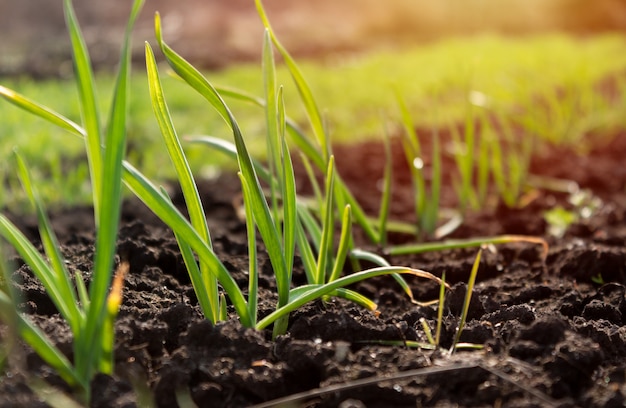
(551, 330)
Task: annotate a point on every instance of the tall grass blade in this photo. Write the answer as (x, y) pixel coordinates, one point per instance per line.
(184, 176)
(344, 244)
(328, 224)
(88, 104)
(385, 201)
(107, 219)
(253, 271)
(288, 190)
(413, 153)
(271, 120)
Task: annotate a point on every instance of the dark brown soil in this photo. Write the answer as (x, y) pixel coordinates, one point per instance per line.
(551, 335)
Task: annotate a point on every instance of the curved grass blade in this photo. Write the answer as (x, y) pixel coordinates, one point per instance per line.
(40, 268)
(163, 209)
(34, 337)
(230, 150)
(65, 298)
(466, 243)
(191, 75)
(380, 261)
(347, 294)
(41, 111)
(344, 281)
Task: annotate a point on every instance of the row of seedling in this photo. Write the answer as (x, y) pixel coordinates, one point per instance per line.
(287, 224)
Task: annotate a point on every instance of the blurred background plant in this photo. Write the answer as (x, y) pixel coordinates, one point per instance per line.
(553, 68)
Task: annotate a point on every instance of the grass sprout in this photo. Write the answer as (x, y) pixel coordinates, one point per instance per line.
(433, 342)
(466, 302)
(427, 209)
(279, 230)
(91, 320)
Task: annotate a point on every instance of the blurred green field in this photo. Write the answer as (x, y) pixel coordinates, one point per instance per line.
(356, 92)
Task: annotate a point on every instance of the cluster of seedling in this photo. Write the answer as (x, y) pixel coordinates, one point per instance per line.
(287, 224)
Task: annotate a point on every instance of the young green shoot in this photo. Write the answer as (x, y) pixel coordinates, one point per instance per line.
(466, 302)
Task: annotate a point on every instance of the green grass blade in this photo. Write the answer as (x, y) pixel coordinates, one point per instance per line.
(163, 209)
(312, 153)
(229, 149)
(323, 290)
(356, 298)
(344, 244)
(380, 261)
(313, 112)
(385, 198)
(312, 227)
(88, 104)
(466, 302)
(317, 192)
(90, 358)
(413, 154)
(68, 306)
(442, 298)
(41, 111)
(81, 289)
(328, 224)
(262, 215)
(288, 190)
(253, 279)
(34, 337)
(465, 243)
(39, 266)
(183, 172)
(196, 276)
(482, 171)
(271, 119)
(267, 229)
(191, 75)
(304, 246)
(431, 213)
